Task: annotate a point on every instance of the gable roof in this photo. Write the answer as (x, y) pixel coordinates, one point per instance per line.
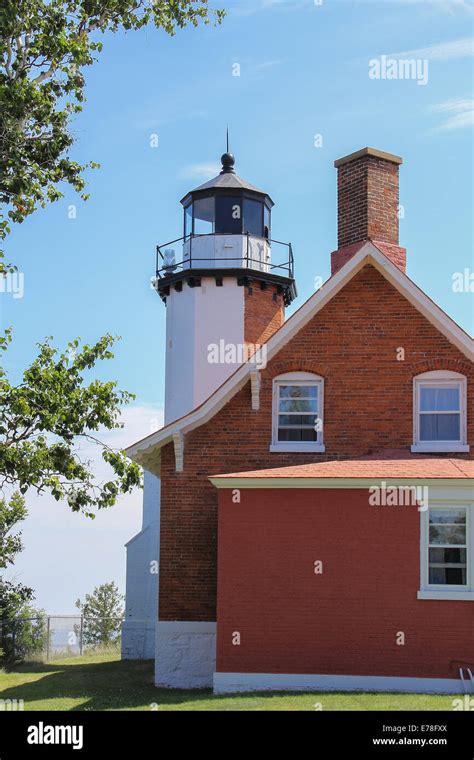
(144, 451)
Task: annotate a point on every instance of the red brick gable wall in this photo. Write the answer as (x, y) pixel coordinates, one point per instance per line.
(264, 313)
(352, 343)
(345, 620)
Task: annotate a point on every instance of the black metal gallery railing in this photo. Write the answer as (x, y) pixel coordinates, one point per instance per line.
(166, 264)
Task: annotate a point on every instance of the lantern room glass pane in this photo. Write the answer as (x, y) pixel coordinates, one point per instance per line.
(266, 223)
(204, 215)
(229, 214)
(253, 217)
(188, 220)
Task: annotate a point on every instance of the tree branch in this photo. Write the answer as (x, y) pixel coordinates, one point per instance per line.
(8, 64)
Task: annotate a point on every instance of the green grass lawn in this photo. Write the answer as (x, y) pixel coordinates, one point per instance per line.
(104, 682)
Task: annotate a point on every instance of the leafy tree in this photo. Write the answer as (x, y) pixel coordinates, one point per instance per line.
(102, 612)
(45, 47)
(11, 513)
(43, 418)
(22, 627)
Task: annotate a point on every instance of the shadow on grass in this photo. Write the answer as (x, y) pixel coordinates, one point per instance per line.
(128, 685)
(115, 685)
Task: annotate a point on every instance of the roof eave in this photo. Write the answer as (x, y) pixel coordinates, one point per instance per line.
(231, 482)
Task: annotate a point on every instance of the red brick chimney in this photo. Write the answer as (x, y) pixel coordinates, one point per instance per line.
(367, 205)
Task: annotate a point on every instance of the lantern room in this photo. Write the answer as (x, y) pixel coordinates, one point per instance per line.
(226, 229)
(227, 205)
(227, 223)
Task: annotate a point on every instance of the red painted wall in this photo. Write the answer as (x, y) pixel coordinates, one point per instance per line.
(344, 621)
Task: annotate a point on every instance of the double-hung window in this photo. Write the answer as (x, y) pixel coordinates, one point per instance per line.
(447, 552)
(439, 401)
(298, 412)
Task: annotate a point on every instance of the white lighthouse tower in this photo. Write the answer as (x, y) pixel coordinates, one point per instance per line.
(225, 283)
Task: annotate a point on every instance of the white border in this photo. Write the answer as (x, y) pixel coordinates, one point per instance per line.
(225, 683)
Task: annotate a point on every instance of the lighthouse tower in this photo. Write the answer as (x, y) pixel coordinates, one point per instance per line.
(224, 294)
(225, 284)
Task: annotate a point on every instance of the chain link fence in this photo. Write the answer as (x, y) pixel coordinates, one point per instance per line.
(46, 637)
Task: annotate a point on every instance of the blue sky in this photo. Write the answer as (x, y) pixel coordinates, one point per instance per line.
(304, 70)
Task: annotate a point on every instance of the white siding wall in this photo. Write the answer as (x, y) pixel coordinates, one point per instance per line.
(141, 595)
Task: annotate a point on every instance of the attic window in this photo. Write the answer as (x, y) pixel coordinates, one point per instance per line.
(297, 412)
(439, 402)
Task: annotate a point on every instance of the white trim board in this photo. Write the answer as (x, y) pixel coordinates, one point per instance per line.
(363, 483)
(368, 254)
(225, 683)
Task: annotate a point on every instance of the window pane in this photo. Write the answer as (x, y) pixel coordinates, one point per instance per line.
(440, 516)
(297, 434)
(188, 220)
(447, 556)
(204, 216)
(253, 217)
(296, 420)
(298, 405)
(229, 214)
(266, 223)
(447, 534)
(298, 391)
(439, 399)
(450, 576)
(440, 427)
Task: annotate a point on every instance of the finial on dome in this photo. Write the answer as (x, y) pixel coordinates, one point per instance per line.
(228, 160)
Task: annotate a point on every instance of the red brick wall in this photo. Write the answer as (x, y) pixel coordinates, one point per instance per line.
(264, 313)
(367, 200)
(367, 208)
(344, 621)
(352, 343)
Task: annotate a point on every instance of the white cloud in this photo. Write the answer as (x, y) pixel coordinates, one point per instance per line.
(459, 114)
(442, 51)
(200, 171)
(267, 64)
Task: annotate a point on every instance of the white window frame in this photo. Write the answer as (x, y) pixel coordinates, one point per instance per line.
(440, 379)
(447, 591)
(297, 378)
